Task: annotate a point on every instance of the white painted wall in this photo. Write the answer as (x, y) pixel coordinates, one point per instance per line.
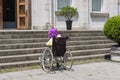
(110, 7)
(42, 14)
(60, 21)
(80, 21)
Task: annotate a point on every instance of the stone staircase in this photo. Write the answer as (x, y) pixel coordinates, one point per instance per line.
(22, 48)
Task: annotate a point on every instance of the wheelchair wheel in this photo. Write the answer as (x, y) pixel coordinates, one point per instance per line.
(68, 60)
(47, 60)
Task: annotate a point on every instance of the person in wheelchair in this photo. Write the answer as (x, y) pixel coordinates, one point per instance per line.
(52, 33)
(57, 51)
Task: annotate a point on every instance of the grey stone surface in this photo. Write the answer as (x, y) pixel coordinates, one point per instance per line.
(22, 48)
(91, 71)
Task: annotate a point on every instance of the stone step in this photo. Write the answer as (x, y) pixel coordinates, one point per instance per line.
(42, 44)
(26, 57)
(89, 31)
(44, 36)
(22, 46)
(88, 57)
(92, 46)
(19, 64)
(88, 38)
(90, 52)
(88, 42)
(17, 58)
(34, 32)
(38, 40)
(22, 32)
(16, 35)
(34, 56)
(83, 34)
(28, 63)
(25, 40)
(40, 49)
(21, 51)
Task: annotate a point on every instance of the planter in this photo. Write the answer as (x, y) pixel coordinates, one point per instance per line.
(69, 24)
(115, 53)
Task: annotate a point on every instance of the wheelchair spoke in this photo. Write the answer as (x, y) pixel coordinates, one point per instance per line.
(47, 60)
(67, 60)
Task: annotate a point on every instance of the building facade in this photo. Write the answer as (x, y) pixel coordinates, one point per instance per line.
(40, 14)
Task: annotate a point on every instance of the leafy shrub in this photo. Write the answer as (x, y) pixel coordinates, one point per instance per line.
(68, 12)
(112, 28)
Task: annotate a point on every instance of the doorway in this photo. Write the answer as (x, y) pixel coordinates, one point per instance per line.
(9, 14)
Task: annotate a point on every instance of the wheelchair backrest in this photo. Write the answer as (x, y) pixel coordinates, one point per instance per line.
(59, 46)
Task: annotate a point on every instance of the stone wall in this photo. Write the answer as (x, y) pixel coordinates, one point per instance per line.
(43, 12)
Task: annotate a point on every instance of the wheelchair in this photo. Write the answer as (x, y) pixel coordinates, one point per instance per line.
(57, 55)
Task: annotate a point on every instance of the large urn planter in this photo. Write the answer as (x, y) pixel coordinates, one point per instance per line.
(68, 13)
(69, 24)
(115, 53)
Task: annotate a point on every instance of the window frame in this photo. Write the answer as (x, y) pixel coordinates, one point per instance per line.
(98, 9)
(66, 5)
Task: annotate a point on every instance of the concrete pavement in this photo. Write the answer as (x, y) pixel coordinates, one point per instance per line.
(91, 71)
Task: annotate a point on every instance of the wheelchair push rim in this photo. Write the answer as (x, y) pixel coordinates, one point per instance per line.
(68, 60)
(47, 60)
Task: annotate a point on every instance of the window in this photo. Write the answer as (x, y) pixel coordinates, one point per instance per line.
(96, 5)
(63, 3)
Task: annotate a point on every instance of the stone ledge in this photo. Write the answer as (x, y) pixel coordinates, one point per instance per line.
(99, 14)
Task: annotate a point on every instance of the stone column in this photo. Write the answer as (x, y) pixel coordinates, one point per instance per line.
(85, 14)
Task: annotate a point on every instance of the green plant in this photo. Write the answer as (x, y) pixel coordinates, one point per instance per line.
(112, 28)
(68, 12)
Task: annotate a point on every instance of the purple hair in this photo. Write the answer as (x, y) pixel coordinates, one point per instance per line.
(52, 33)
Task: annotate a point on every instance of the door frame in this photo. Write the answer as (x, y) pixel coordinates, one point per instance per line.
(27, 14)
(23, 14)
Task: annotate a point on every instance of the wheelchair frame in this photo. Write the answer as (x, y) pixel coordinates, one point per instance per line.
(49, 56)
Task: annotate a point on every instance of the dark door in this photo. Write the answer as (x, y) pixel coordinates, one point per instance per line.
(9, 14)
(1, 16)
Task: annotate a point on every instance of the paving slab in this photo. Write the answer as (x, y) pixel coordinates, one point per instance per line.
(90, 71)
(4, 77)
